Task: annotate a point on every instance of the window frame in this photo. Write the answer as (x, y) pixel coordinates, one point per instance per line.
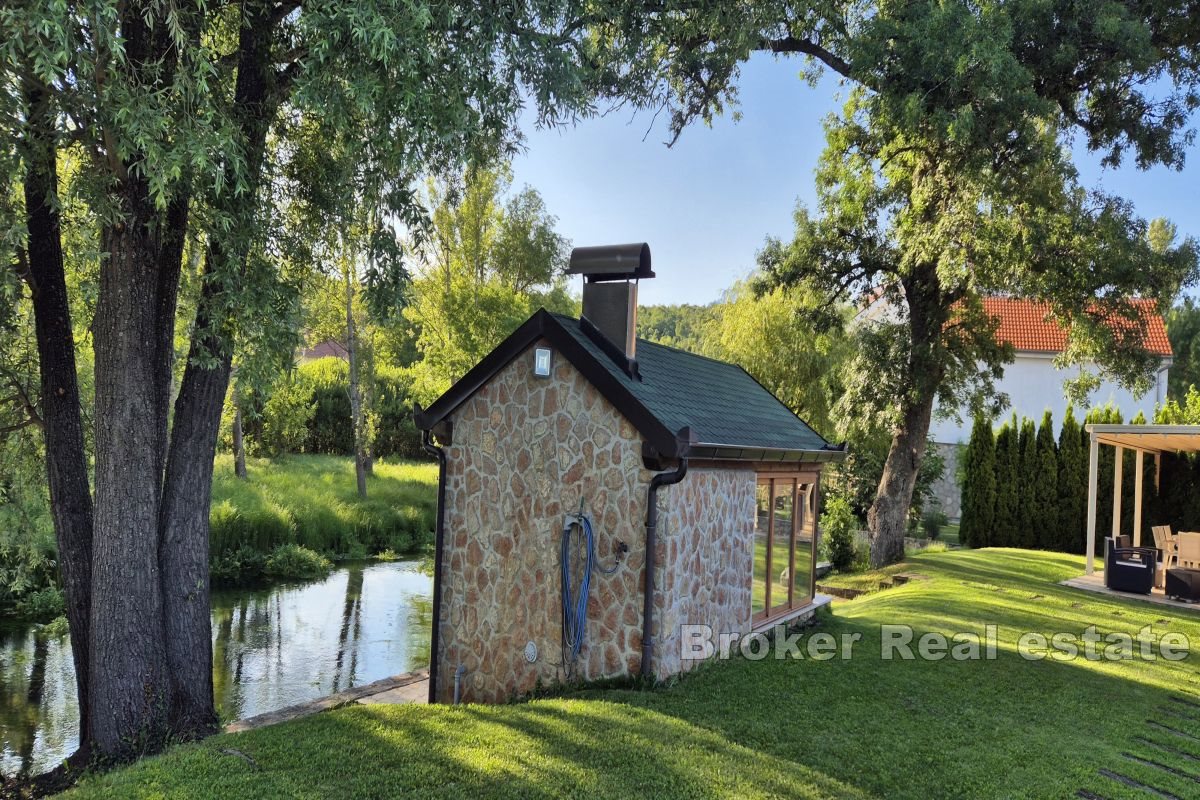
(804, 512)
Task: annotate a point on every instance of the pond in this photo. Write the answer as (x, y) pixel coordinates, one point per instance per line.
(271, 648)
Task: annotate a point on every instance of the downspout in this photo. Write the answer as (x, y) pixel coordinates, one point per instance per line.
(439, 529)
(660, 479)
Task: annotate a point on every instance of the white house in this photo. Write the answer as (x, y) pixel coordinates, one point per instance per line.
(1033, 383)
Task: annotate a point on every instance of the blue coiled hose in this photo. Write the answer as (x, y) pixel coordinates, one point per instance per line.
(574, 604)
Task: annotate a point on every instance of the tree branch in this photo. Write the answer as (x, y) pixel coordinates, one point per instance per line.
(31, 412)
(21, 267)
(790, 44)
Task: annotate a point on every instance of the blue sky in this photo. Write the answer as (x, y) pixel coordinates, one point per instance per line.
(707, 204)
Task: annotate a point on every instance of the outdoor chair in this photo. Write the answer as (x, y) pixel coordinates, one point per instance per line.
(1129, 569)
(1168, 547)
(1187, 550)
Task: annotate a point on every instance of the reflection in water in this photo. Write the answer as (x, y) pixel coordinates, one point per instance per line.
(271, 648)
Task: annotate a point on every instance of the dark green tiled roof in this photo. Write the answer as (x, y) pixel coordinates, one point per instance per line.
(721, 403)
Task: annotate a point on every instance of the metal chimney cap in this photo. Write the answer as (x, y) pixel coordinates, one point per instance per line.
(612, 262)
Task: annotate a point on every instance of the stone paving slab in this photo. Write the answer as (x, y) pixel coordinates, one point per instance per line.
(415, 692)
(396, 683)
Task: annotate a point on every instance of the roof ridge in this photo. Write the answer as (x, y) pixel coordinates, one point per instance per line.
(653, 343)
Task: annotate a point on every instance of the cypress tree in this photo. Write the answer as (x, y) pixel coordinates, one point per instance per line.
(1072, 485)
(1045, 491)
(1027, 520)
(979, 487)
(1007, 485)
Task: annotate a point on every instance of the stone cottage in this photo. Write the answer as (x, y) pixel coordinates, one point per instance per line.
(699, 489)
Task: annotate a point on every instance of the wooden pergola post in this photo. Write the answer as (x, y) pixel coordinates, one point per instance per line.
(1138, 462)
(1118, 474)
(1093, 497)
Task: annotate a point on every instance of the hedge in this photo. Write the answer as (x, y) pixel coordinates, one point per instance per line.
(1021, 488)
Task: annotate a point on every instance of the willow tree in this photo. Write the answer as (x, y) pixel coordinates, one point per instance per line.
(185, 115)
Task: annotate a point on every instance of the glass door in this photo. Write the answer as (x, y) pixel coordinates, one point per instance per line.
(784, 544)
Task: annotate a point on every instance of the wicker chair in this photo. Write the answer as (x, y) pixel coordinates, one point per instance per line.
(1129, 569)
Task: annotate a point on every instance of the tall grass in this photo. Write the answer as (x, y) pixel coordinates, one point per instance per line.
(312, 501)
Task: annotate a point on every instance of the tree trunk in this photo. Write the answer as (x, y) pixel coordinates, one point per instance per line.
(187, 494)
(887, 519)
(239, 440)
(129, 686)
(356, 405)
(66, 458)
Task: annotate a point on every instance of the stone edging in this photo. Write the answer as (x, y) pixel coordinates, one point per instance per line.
(327, 702)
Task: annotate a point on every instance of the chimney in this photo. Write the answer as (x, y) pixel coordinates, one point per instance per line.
(610, 278)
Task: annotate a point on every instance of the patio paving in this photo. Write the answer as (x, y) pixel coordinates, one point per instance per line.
(1095, 583)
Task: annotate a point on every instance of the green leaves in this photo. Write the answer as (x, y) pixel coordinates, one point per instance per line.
(488, 264)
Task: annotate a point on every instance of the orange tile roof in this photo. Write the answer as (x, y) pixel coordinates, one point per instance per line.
(1027, 324)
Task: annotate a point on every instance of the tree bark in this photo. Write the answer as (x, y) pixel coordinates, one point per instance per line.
(356, 405)
(66, 458)
(187, 495)
(170, 263)
(129, 686)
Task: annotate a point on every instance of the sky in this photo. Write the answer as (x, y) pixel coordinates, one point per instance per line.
(707, 204)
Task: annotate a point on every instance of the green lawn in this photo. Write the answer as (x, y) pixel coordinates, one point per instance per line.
(865, 727)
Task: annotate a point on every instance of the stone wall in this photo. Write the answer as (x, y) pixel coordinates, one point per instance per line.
(525, 450)
(706, 560)
(946, 490)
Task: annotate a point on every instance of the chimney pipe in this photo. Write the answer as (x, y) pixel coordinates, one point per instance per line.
(610, 278)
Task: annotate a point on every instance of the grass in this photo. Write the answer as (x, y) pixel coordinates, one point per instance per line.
(868, 581)
(864, 727)
(312, 501)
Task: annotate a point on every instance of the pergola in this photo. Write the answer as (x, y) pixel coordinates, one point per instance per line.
(1142, 439)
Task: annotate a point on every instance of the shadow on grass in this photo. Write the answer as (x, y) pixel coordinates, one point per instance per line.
(1003, 728)
(561, 748)
(863, 727)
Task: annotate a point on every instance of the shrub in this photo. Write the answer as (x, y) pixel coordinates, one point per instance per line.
(287, 416)
(308, 411)
(932, 522)
(292, 561)
(839, 525)
(41, 605)
(237, 568)
(978, 519)
(57, 627)
(27, 545)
